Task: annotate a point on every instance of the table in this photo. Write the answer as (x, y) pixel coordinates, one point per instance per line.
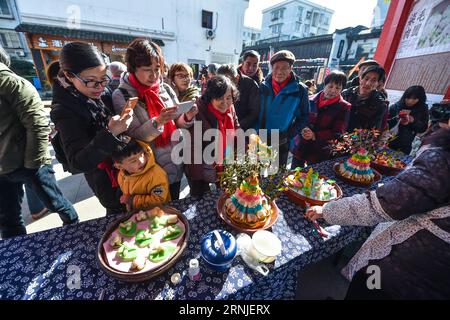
(45, 265)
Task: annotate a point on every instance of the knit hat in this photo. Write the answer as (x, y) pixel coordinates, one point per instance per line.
(283, 55)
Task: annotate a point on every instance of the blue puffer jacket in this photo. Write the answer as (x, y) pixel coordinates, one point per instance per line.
(288, 111)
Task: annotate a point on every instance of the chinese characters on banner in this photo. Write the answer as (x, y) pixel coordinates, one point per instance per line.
(423, 55)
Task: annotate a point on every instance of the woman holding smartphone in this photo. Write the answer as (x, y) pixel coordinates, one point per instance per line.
(156, 117)
(88, 132)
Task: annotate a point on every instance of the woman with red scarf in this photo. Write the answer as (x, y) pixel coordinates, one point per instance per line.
(215, 111)
(155, 115)
(328, 119)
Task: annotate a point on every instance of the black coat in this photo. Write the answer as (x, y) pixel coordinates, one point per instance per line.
(367, 113)
(417, 268)
(85, 147)
(406, 134)
(248, 105)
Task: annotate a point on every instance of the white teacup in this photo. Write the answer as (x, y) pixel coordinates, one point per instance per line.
(265, 246)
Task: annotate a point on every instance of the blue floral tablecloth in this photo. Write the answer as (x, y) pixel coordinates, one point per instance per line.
(61, 263)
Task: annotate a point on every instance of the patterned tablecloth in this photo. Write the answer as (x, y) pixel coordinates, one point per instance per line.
(48, 265)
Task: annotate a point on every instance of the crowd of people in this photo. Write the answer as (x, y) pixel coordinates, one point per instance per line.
(125, 153)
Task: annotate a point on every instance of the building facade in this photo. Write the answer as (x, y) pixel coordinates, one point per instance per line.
(13, 42)
(294, 19)
(315, 55)
(197, 32)
(311, 54)
(379, 13)
(250, 36)
(350, 45)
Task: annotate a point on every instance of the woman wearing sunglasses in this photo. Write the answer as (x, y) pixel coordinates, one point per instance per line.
(88, 131)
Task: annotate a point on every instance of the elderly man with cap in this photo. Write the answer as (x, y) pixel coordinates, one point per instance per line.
(284, 103)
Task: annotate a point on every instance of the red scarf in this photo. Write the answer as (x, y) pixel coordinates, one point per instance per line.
(224, 121)
(110, 170)
(154, 106)
(322, 102)
(278, 87)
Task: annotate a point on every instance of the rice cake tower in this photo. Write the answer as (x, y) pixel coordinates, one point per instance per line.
(248, 206)
(357, 168)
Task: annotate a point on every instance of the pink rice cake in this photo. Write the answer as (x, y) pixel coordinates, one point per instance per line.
(247, 197)
(123, 266)
(357, 164)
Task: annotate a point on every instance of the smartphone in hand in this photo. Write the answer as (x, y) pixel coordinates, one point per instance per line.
(131, 103)
(184, 107)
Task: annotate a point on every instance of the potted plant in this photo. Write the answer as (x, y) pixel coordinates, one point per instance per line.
(251, 184)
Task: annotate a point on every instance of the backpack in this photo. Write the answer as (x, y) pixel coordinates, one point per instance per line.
(60, 154)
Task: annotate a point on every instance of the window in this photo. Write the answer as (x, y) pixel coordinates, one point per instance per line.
(308, 15)
(300, 13)
(298, 26)
(3, 40)
(315, 19)
(207, 19)
(4, 9)
(276, 28)
(277, 14)
(326, 20)
(10, 40)
(340, 49)
(306, 29)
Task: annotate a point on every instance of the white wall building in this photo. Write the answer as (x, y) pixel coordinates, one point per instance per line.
(293, 19)
(192, 31)
(351, 44)
(251, 35)
(13, 42)
(379, 13)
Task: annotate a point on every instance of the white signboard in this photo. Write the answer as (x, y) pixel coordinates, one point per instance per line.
(423, 54)
(427, 29)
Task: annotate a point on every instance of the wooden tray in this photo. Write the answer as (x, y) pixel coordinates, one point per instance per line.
(385, 170)
(303, 200)
(356, 183)
(242, 227)
(141, 276)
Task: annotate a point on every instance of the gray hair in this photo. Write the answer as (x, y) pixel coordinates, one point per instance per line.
(117, 68)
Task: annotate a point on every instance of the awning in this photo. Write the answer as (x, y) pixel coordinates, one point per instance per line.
(79, 33)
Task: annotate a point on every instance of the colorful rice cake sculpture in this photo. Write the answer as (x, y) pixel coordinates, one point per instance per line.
(357, 168)
(248, 206)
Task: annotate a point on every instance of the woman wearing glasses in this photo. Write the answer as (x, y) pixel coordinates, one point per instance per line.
(155, 117)
(180, 78)
(88, 132)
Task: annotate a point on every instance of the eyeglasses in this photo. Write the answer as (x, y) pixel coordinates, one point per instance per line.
(92, 83)
(183, 76)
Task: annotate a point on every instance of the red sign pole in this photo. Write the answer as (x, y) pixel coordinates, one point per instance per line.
(392, 32)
